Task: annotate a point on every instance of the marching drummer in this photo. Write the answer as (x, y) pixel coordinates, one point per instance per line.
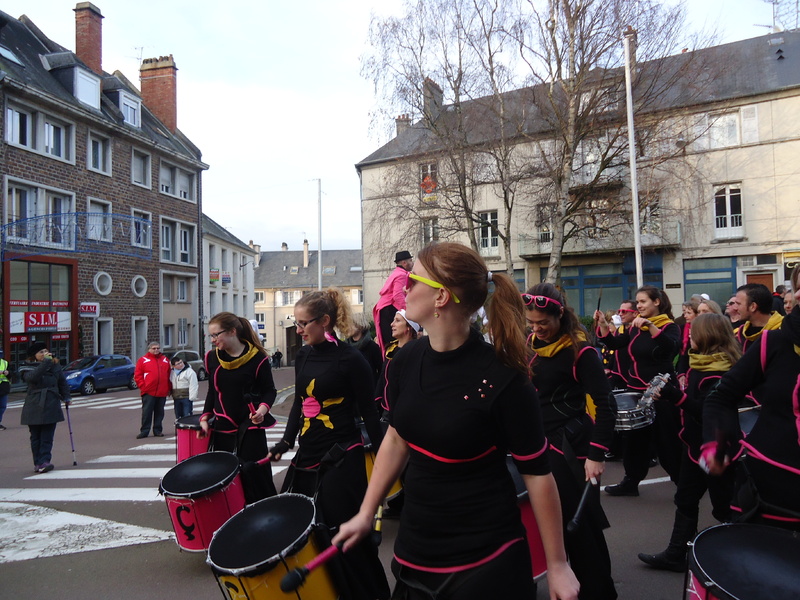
(564, 370)
(768, 477)
(651, 345)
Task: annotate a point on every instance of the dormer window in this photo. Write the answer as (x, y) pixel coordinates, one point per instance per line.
(131, 108)
(87, 88)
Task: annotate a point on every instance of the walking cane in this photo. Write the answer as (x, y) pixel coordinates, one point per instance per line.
(72, 443)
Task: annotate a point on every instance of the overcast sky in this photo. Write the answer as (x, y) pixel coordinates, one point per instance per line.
(270, 91)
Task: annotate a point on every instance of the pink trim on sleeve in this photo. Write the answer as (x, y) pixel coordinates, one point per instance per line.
(531, 456)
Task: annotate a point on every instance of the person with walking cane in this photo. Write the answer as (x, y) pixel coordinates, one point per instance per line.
(47, 388)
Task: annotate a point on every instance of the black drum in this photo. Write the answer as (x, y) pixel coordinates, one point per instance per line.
(744, 562)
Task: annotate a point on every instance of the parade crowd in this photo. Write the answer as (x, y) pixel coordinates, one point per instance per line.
(472, 394)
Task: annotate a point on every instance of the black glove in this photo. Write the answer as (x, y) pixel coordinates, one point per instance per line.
(280, 448)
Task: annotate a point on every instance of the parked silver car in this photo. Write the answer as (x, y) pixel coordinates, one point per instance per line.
(193, 359)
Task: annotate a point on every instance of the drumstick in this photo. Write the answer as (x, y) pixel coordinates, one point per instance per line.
(376, 529)
(575, 522)
(297, 577)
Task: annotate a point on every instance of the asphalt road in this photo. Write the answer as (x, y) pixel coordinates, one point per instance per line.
(100, 529)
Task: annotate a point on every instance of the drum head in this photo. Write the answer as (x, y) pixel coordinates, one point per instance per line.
(755, 562)
(627, 400)
(262, 533)
(190, 422)
(199, 475)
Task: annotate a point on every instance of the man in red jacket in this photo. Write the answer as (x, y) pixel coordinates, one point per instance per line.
(152, 377)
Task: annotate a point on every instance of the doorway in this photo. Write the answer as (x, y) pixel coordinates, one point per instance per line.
(105, 336)
(766, 279)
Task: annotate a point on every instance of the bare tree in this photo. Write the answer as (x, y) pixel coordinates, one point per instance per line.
(576, 65)
(535, 113)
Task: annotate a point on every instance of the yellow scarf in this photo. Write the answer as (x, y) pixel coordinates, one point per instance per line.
(775, 322)
(238, 362)
(719, 361)
(554, 348)
(658, 321)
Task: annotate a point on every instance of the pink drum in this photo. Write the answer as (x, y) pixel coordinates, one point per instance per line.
(744, 562)
(538, 562)
(188, 445)
(202, 493)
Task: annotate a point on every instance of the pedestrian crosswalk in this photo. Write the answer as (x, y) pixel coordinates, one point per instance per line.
(144, 464)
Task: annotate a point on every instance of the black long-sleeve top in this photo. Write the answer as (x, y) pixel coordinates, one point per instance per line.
(236, 389)
(772, 361)
(647, 355)
(562, 382)
(333, 388)
(461, 412)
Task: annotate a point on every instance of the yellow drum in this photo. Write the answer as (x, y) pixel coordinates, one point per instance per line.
(252, 552)
(369, 460)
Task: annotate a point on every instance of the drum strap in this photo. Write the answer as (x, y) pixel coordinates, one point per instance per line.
(751, 502)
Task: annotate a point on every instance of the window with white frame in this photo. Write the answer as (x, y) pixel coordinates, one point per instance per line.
(187, 245)
(140, 168)
(258, 297)
(58, 227)
(487, 233)
(166, 289)
(183, 332)
(168, 336)
(723, 130)
(38, 131)
(177, 182)
(39, 215)
(141, 229)
(430, 230)
(181, 294)
(178, 242)
(261, 318)
(131, 108)
(428, 182)
(728, 218)
(99, 158)
(19, 127)
(98, 220)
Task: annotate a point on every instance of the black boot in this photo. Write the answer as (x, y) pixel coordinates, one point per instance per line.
(626, 487)
(674, 557)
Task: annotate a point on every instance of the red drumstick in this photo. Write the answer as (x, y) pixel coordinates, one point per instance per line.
(297, 577)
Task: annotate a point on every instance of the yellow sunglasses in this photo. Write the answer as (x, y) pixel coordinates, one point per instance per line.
(428, 282)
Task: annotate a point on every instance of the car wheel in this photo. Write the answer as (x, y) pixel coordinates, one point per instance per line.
(87, 387)
(132, 384)
(201, 374)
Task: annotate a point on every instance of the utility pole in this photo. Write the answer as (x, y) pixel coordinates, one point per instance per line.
(629, 37)
(319, 234)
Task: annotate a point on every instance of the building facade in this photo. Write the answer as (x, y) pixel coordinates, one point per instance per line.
(283, 277)
(101, 200)
(717, 188)
(229, 279)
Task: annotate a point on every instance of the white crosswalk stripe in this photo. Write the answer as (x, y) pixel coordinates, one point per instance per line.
(127, 466)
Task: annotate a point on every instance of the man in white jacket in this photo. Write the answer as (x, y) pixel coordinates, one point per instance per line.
(184, 387)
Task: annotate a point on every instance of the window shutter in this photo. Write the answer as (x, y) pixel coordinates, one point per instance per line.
(749, 124)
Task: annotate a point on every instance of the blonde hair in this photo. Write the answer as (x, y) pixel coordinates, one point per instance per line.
(331, 302)
(712, 333)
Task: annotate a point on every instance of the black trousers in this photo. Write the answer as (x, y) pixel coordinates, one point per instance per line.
(664, 432)
(692, 485)
(586, 546)
(152, 412)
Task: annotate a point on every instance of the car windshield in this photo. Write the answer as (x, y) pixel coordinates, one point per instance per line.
(81, 363)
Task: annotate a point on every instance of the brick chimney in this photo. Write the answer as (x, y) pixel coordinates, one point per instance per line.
(402, 123)
(159, 83)
(89, 35)
(432, 98)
